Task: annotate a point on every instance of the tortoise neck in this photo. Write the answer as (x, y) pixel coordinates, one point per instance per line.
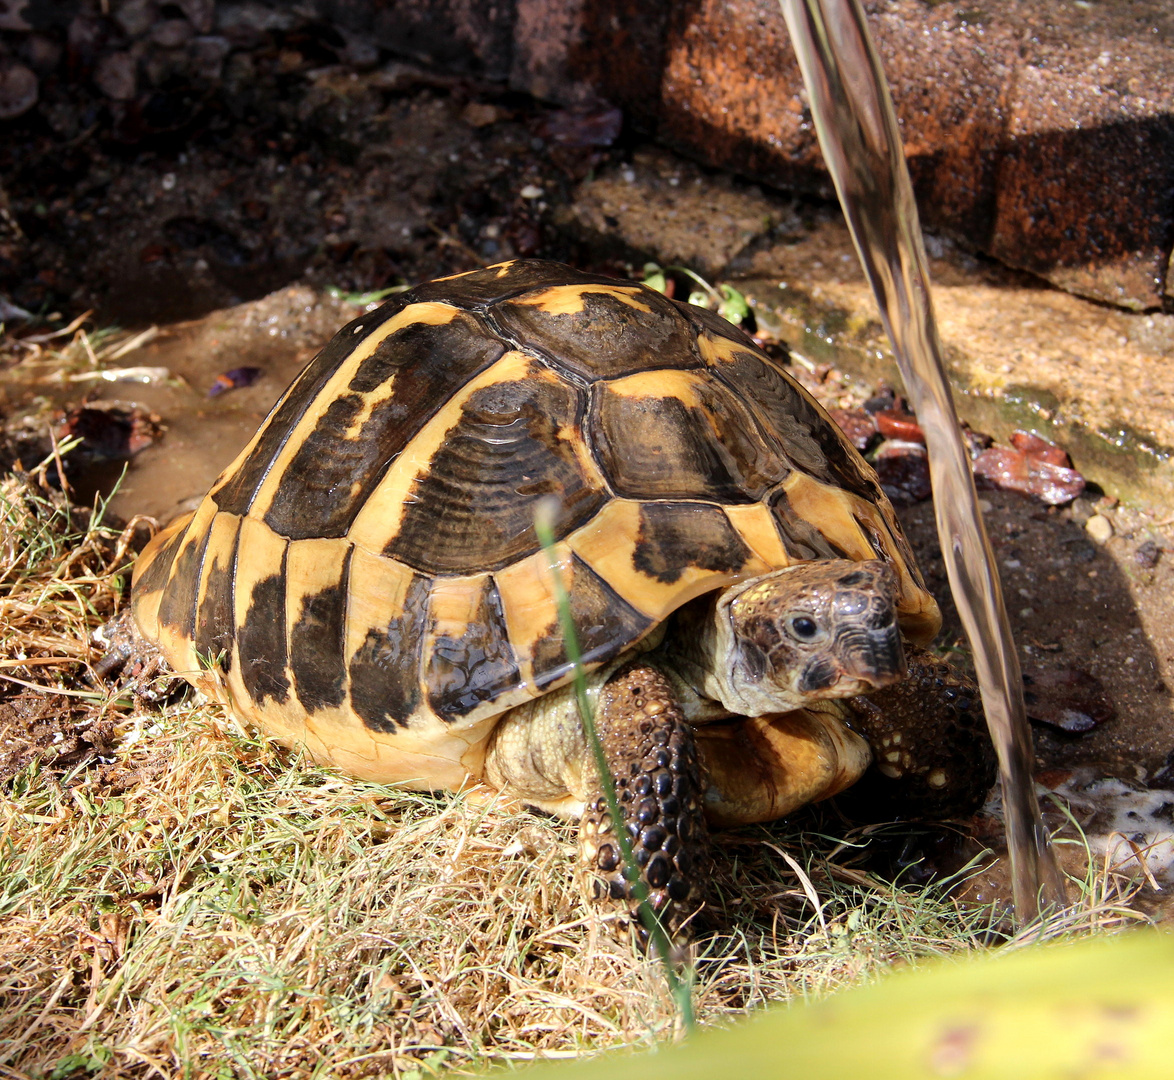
(698, 650)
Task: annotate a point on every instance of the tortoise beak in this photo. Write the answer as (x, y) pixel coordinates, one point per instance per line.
(875, 656)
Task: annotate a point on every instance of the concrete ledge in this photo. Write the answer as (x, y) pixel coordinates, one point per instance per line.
(1020, 354)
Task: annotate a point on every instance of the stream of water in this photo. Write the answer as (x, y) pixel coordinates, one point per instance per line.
(861, 145)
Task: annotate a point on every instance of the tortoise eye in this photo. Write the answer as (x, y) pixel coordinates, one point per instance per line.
(804, 628)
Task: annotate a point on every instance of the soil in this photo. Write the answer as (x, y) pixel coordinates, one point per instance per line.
(222, 212)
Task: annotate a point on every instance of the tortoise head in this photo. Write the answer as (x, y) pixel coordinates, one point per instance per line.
(825, 629)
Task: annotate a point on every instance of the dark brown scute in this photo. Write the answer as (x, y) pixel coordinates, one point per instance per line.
(177, 606)
(801, 538)
(428, 362)
(704, 319)
(154, 575)
(385, 671)
(662, 448)
(330, 477)
(261, 641)
(607, 338)
(213, 634)
(316, 645)
(604, 623)
(482, 287)
(474, 507)
(236, 496)
(479, 666)
(800, 431)
(676, 535)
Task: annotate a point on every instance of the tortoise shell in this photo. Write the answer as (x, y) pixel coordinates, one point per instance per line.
(365, 579)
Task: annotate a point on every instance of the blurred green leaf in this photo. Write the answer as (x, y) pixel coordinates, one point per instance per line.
(1097, 1009)
(734, 306)
(654, 277)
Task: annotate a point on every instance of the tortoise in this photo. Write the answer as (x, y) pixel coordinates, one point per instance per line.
(365, 580)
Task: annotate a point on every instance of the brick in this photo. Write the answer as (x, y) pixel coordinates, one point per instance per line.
(1042, 134)
(732, 95)
(1086, 178)
(576, 52)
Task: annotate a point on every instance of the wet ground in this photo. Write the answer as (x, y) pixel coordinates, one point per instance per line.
(220, 218)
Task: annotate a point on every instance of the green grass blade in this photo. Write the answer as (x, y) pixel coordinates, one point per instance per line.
(680, 989)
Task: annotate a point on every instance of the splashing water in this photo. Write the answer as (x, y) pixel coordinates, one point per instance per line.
(861, 145)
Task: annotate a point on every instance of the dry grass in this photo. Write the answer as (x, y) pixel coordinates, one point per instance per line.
(179, 898)
(231, 910)
(60, 574)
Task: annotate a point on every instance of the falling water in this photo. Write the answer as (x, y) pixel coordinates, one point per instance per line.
(861, 144)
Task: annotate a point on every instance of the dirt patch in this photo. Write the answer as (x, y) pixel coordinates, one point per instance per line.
(34, 726)
(1080, 607)
(286, 170)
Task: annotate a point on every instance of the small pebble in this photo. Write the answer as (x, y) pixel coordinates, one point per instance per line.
(200, 13)
(1010, 469)
(1071, 699)
(1147, 555)
(208, 55)
(1032, 445)
(886, 398)
(477, 114)
(18, 90)
(115, 76)
(598, 126)
(857, 424)
(172, 33)
(898, 424)
(42, 53)
(1099, 528)
(903, 470)
(136, 16)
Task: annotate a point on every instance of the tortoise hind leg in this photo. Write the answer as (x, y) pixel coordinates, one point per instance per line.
(133, 662)
(650, 751)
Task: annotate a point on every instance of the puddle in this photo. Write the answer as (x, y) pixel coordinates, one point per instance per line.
(277, 334)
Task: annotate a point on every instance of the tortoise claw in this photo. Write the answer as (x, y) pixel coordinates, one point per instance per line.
(131, 660)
